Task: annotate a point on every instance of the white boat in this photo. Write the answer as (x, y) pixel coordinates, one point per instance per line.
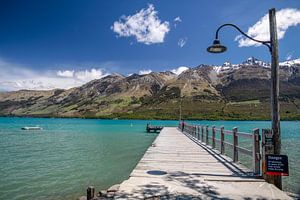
(31, 128)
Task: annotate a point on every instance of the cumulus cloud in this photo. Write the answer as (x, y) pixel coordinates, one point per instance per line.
(16, 77)
(145, 26)
(145, 71)
(179, 70)
(285, 18)
(181, 42)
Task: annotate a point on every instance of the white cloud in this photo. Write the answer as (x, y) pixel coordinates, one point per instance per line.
(145, 71)
(145, 26)
(16, 77)
(285, 18)
(179, 70)
(88, 75)
(66, 73)
(177, 19)
(182, 42)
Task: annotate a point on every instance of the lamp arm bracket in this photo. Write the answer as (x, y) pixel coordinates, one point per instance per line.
(266, 43)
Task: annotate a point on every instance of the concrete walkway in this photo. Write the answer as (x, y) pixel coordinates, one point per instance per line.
(177, 167)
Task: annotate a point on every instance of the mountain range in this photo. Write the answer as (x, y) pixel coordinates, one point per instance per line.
(230, 91)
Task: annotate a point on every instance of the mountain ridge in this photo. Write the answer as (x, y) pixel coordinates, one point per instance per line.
(218, 90)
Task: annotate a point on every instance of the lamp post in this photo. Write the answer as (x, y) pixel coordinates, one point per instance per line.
(272, 45)
(180, 111)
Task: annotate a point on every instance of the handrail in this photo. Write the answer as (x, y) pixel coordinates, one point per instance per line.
(207, 135)
(245, 135)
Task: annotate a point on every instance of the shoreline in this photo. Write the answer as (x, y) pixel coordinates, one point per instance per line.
(124, 118)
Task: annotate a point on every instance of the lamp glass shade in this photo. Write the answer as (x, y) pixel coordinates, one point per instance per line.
(216, 47)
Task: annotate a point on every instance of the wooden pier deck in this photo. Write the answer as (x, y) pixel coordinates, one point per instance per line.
(178, 166)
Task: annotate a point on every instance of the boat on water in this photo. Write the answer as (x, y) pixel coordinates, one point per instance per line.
(32, 128)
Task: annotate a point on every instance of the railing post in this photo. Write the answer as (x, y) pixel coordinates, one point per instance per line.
(256, 152)
(198, 132)
(202, 134)
(194, 130)
(90, 192)
(213, 137)
(206, 136)
(235, 144)
(222, 140)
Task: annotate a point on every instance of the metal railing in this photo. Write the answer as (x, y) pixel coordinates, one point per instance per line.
(207, 135)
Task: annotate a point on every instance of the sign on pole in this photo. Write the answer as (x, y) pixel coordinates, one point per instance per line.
(277, 165)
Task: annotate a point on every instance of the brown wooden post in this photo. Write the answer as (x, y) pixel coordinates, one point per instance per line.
(213, 137)
(206, 136)
(90, 192)
(267, 148)
(222, 140)
(193, 130)
(256, 152)
(235, 144)
(275, 90)
(202, 134)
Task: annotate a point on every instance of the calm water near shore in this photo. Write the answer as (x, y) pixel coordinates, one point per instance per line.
(60, 161)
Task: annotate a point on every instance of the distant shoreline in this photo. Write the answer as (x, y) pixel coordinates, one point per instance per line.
(124, 118)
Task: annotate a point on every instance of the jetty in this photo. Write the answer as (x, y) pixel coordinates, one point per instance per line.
(190, 163)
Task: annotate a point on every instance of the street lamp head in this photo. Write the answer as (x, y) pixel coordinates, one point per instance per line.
(216, 47)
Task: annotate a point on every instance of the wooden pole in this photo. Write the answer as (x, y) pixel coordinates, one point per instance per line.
(202, 132)
(213, 137)
(90, 192)
(256, 152)
(206, 136)
(275, 90)
(222, 140)
(235, 144)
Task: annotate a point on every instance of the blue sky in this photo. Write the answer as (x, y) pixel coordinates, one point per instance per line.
(48, 44)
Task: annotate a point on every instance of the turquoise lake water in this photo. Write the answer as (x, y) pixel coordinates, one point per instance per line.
(68, 155)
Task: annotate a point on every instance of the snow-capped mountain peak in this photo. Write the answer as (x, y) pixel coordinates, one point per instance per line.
(227, 64)
(255, 61)
(290, 62)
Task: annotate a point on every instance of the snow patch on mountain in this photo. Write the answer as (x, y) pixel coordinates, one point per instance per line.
(290, 63)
